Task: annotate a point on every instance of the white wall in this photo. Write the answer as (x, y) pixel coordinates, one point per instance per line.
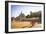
(2, 17)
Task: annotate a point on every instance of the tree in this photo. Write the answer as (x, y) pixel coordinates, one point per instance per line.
(30, 14)
(12, 18)
(40, 16)
(27, 16)
(21, 15)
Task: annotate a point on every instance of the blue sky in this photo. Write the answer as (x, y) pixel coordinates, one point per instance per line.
(17, 9)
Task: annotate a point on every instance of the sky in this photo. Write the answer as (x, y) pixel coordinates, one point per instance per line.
(26, 9)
